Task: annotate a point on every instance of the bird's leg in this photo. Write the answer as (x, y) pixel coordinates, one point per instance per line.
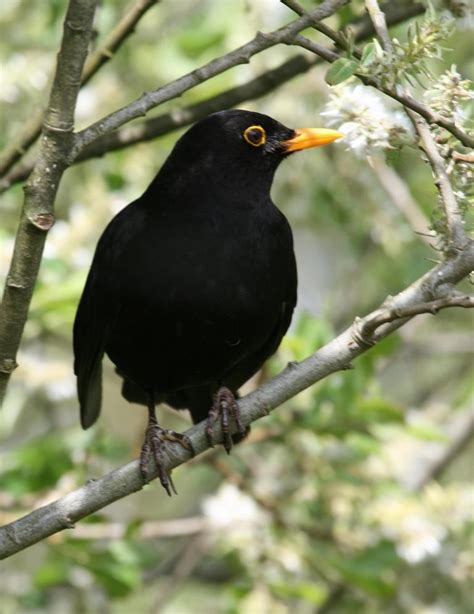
(224, 406)
(152, 446)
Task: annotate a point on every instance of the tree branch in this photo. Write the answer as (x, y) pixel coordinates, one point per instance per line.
(163, 124)
(261, 85)
(241, 55)
(400, 96)
(38, 207)
(389, 314)
(95, 61)
(377, 17)
(454, 222)
(334, 356)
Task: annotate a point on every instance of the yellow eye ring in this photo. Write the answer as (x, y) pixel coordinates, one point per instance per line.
(255, 136)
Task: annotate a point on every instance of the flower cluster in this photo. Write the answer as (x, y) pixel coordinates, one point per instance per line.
(366, 119)
(449, 95)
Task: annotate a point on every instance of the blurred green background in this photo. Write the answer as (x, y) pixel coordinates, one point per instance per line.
(329, 505)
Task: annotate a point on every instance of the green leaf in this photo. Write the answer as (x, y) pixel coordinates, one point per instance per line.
(308, 592)
(340, 70)
(377, 409)
(51, 574)
(427, 432)
(369, 53)
(373, 570)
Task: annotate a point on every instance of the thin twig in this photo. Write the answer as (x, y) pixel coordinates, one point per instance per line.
(369, 325)
(190, 558)
(454, 221)
(96, 60)
(334, 356)
(378, 19)
(147, 530)
(116, 37)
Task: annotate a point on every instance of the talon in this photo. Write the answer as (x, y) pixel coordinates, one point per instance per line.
(224, 407)
(153, 445)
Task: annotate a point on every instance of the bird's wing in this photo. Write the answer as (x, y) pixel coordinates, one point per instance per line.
(91, 327)
(98, 309)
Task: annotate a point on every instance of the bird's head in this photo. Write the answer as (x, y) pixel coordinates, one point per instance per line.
(236, 146)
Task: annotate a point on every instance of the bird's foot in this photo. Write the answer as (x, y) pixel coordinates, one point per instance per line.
(225, 407)
(153, 446)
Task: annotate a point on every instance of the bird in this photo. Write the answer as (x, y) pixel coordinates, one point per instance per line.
(193, 285)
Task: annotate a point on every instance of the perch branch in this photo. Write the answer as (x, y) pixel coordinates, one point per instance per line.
(334, 356)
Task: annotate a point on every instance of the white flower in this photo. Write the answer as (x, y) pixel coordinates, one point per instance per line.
(420, 538)
(367, 122)
(232, 510)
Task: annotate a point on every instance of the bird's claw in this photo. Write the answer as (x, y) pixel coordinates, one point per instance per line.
(224, 406)
(153, 445)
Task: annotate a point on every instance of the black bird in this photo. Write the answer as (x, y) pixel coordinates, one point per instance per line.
(193, 285)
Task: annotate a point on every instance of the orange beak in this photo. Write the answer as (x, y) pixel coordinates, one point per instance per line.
(311, 137)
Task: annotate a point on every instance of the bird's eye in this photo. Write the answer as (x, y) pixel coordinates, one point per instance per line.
(255, 136)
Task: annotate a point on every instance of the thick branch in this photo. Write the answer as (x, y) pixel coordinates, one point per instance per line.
(38, 207)
(241, 55)
(334, 356)
(110, 45)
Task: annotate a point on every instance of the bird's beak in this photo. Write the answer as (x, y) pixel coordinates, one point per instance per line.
(311, 137)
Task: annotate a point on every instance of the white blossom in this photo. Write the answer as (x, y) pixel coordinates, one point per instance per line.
(232, 510)
(365, 119)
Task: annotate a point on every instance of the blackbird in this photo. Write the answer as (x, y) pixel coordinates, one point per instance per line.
(193, 285)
